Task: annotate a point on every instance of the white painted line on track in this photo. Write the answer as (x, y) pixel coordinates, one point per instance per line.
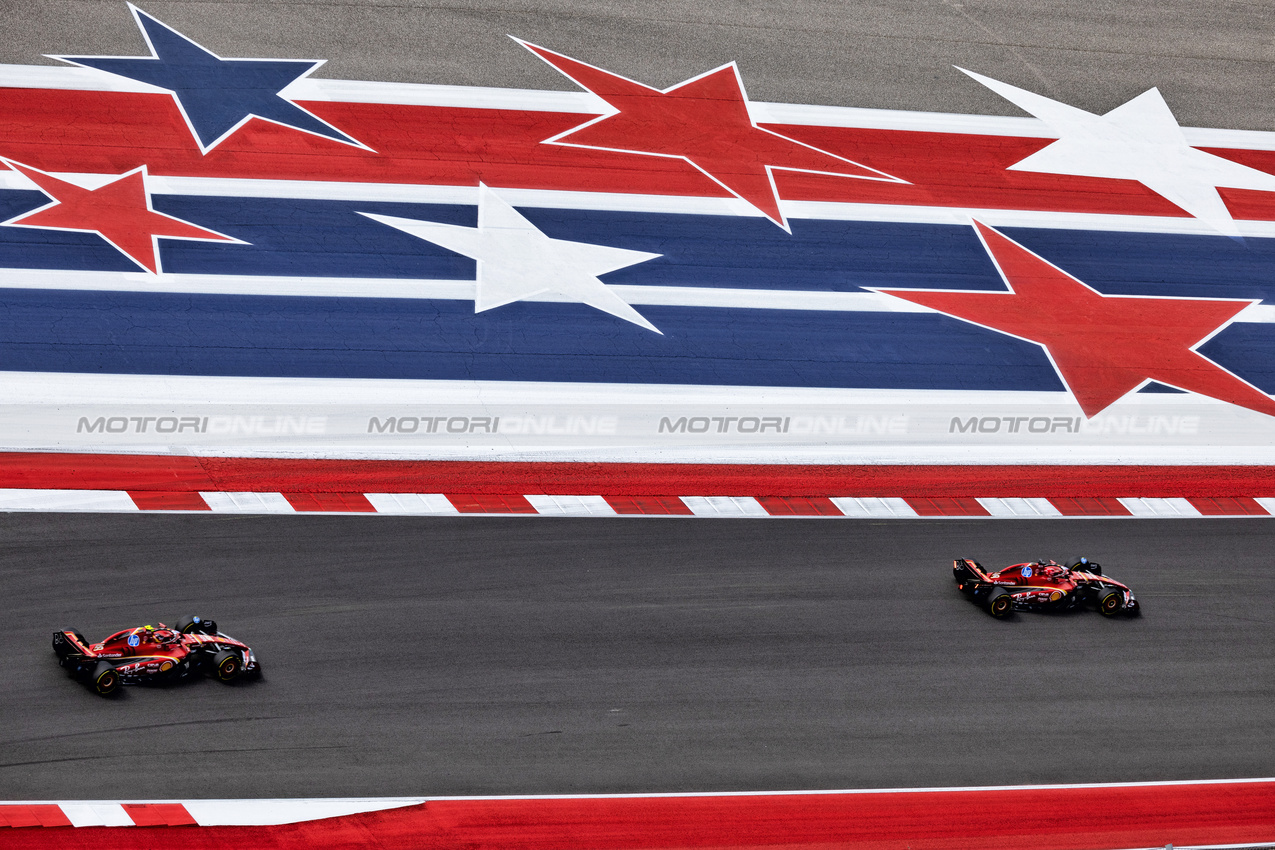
(1160, 507)
(247, 503)
(1032, 507)
(724, 506)
(872, 506)
(659, 204)
(57, 501)
(96, 814)
(273, 812)
(438, 504)
(411, 503)
(463, 290)
(571, 505)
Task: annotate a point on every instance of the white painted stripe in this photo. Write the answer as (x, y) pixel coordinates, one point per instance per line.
(272, 812)
(411, 503)
(724, 506)
(449, 290)
(585, 103)
(70, 388)
(247, 503)
(571, 505)
(1160, 507)
(663, 204)
(872, 506)
(1032, 507)
(458, 290)
(96, 814)
(381, 803)
(57, 501)
(69, 78)
(425, 504)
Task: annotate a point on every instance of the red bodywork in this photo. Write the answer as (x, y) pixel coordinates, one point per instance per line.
(1044, 585)
(154, 654)
(156, 650)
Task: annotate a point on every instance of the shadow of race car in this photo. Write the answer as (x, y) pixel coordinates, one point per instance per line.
(1044, 585)
(154, 655)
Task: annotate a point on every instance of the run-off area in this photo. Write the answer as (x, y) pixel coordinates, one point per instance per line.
(440, 656)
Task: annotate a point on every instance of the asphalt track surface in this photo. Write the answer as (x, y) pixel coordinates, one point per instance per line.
(519, 656)
(1213, 61)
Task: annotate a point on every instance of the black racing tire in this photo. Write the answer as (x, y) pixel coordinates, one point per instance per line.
(1000, 604)
(1110, 601)
(105, 680)
(195, 625)
(227, 666)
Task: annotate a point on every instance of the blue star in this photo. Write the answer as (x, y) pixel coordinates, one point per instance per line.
(216, 96)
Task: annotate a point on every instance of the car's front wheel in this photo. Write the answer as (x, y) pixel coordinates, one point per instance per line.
(227, 665)
(1110, 602)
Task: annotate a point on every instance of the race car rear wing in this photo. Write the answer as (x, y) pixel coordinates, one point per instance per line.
(67, 642)
(969, 568)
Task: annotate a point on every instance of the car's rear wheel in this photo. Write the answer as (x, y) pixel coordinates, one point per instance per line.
(227, 666)
(1110, 602)
(196, 625)
(105, 679)
(1000, 604)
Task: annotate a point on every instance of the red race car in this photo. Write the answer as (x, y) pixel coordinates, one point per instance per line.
(154, 654)
(1044, 585)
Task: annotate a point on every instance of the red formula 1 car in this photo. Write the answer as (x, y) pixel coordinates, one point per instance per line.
(1044, 586)
(154, 654)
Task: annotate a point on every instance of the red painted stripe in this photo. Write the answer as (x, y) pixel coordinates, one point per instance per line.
(159, 814)
(168, 500)
(112, 132)
(1023, 819)
(356, 502)
(798, 506)
(292, 475)
(32, 814)
(483, 503)
(665, 505)
(1089, 506)
(946, 506)
(1227, 507)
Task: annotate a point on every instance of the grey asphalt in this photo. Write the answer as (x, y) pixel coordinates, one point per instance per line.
(1212, 60)
(419, 656)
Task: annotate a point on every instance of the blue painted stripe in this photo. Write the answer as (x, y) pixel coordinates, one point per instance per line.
(389, 338)
(330, 239)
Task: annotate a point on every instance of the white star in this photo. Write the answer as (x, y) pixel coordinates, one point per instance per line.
(1139, 140)
(517, 261)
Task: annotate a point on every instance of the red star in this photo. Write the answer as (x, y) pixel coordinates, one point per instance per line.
(120, 212)
(704, 121)
(1103, 346)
